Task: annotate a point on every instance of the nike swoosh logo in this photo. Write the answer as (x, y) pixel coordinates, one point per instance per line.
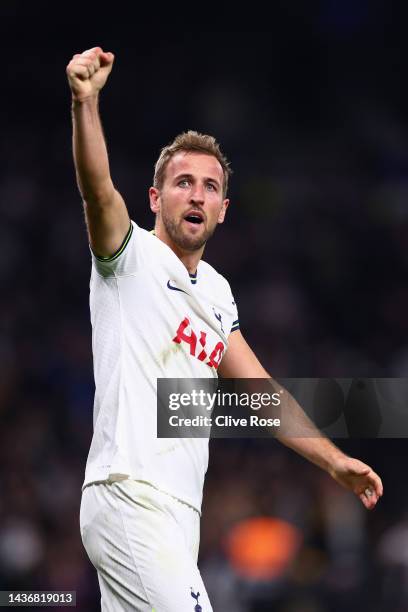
(175, 288)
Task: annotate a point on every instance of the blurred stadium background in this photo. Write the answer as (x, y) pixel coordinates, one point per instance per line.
(313, 115)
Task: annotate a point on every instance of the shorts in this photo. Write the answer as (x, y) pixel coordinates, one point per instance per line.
(144, 546)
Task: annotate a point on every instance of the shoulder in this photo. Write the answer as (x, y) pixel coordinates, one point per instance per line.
(140, 232)
(138, 247)
(146, 242)
(215, 278)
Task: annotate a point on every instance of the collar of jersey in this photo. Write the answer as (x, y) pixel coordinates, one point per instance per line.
(193, 277)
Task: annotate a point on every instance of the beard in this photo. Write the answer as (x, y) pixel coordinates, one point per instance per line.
(180, 237)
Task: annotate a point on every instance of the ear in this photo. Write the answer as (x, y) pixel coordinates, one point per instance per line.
(223, 211)
(154, 197)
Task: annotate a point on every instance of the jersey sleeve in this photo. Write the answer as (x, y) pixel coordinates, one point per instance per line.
(232, 307)
(125, 261)
(235, 322)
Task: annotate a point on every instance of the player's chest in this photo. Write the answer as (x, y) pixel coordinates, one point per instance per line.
(166, 308)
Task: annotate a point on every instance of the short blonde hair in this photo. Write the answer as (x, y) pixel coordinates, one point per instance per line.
(191, 141)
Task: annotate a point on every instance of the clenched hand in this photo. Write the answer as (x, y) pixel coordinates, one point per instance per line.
(87, 72)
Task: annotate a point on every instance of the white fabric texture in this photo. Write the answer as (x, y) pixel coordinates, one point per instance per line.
(138, 301)
(144, 545)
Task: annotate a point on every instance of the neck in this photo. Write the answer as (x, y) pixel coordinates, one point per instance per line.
(190, 259)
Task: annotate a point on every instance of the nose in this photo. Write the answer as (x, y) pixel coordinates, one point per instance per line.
(197, 195)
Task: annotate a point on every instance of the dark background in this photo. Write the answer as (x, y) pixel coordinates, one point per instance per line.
(313, 116)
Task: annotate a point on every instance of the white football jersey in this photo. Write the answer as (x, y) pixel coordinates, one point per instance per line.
(152, 319)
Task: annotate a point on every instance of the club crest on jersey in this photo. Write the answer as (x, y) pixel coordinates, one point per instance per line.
(219, 318)
(197, 345)
(197, 607)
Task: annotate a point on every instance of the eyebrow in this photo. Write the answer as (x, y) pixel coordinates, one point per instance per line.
(190, 176)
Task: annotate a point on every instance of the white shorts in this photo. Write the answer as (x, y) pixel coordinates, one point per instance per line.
(144, 545)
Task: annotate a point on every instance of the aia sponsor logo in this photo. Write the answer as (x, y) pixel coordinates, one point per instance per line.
(197, 344)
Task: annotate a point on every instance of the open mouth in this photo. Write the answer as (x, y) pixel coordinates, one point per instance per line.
(195, 218)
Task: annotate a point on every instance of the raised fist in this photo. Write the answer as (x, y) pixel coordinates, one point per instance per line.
(87, 72)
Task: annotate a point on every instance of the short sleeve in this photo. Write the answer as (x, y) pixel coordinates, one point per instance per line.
(232, 307)
(235, 322)
(125, 261)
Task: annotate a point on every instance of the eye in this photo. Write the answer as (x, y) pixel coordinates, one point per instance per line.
(211, 187)
(183, 183)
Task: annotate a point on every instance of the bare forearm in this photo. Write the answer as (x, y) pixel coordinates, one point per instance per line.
(297, 431)
(300, 434)
(90, 153)
(320, 451)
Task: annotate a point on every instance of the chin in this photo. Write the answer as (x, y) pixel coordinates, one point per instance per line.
(185, 239)
(191, 243)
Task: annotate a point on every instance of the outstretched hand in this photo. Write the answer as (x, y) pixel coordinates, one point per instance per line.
(358, 477)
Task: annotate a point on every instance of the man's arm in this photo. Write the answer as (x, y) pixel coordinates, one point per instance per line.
(241, 362)
(106, 214)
